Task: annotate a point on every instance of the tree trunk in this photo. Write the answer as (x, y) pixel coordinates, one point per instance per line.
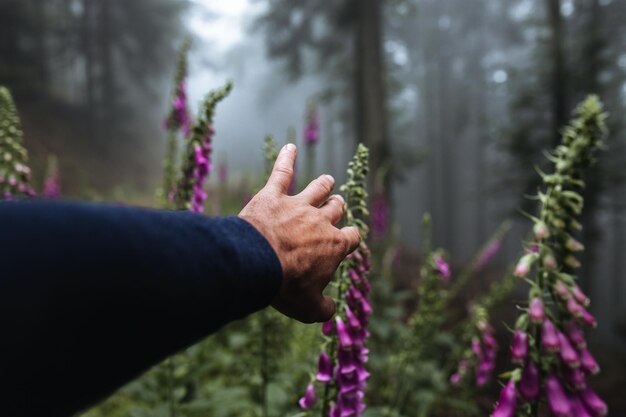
(371, 109)
(558, 77)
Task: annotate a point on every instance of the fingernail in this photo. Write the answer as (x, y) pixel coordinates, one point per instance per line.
(329, 178)
(290, 147)
(339, 198)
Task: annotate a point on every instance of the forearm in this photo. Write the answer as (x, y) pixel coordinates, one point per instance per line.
(91, 296)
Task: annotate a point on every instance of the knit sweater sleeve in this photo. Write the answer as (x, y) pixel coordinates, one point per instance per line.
(93, 295)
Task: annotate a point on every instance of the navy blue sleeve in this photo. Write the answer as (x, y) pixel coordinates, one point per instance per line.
(93, 295)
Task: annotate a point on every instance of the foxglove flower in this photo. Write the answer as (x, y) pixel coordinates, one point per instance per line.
(309, 397)
(324, 368)
(311, 130)
(541, 230)
(567, 352)
(588, 362)
(580, 296)
(536, 312)
(507, 403)
(443, 268)
(525, 263)
(549, 336)
(594, 404)
(529, 383)
(575, 377)
(519, 348)
(575, 335)
(380, 216)
(578, 408)
(557, 399)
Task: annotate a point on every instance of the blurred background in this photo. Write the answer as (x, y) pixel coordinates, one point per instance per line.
(455, 98)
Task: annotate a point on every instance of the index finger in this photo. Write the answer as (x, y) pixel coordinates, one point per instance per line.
(282, 173)
(352, 236)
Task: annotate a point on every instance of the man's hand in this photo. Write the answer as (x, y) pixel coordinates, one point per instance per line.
(301, 231)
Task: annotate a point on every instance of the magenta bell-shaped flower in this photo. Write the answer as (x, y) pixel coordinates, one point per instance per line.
(536, 311)
(309, 397)
(525, 263)
(443, 268)
(594, 404)
(507, 402)
(529, 384)
(327, 327)
(345, 340)
(557, 399)
(519, 348)
(575, 335)
(562, 290)
(580, 296)
(587, 318)
(568, 354)
(588, 362)
(324, 368)
(549, 337)
(578, 408)
(575, 377)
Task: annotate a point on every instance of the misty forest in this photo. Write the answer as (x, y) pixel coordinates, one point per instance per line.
(479, 146)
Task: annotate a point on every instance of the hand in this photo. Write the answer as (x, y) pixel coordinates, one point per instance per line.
(301, 231)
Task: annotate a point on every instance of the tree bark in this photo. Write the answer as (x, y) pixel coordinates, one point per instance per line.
(371, 109)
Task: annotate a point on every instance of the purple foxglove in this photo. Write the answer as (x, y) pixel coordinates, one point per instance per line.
(477, 348)
(594, 404)
(540, 230)
(575, 335)
(519, 348)
(574, 308)
(507, 402)
(561, 289)
(353, 321)
(482, 377)
(549, 337)
(343, 335)
(529, 384)
(456, 378)
(587, 318)
(568, 354)
(536, 312)
(580, 296)
(578, 408)
(575, 377)
(324, 368)
(557, 399)
(354, 275)
(345, 357)
(327, 327)
(443, 268)
(588, 362)
(309, 397)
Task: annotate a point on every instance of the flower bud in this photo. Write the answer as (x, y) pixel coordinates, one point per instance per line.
(574, 225)
(525, 263)
(588, 362)
(587, 318)
(580, 296)
(562, 290)
(536, 312)
(327, 327)
(519, 348)
(578, 408)
(574, 308)
(567, 352)
(507, 402)
(572, 262)
(549, 261)
(541, 230)
(549, 337)
(557, 400)
(594, 404)
(573, 245)
(575, 377)
(529, 384)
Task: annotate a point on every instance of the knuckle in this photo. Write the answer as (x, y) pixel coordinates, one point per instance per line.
(283, 169)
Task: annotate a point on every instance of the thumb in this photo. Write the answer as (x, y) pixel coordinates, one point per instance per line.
(327, 309)
(282, 173)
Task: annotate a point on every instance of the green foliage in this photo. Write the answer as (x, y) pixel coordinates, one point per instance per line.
(14, 169)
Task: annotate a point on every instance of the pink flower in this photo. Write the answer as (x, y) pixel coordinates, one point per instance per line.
(575, 335)
(519, 348)
(588, 362)
(529, 384)
(557, 399)
(567, 352)
(345, 340)
(549, 337)
(507, 402)
(443, 268)
(536, 311)
(309, 397)
(580, 296)
(594, 404)
(324, 368)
